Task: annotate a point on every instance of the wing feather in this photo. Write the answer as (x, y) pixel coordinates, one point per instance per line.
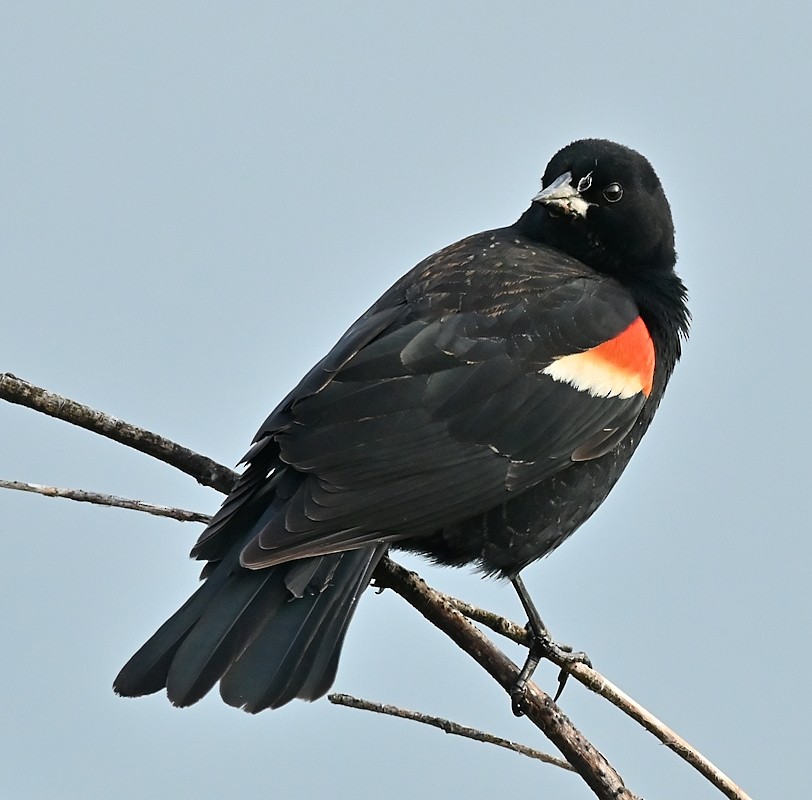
(434, 407)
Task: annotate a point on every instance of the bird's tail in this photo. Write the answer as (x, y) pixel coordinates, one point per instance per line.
(268, 635)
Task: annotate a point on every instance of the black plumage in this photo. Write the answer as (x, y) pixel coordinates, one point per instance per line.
(478, 413)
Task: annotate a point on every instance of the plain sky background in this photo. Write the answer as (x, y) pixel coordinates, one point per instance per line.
(196, 199)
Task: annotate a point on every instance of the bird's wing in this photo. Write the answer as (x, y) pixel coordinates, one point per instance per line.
(471, 380)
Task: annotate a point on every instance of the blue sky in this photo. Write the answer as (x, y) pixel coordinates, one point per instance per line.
(198, 198)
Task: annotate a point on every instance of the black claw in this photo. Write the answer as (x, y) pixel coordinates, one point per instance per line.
(562, 682)
(571, 658)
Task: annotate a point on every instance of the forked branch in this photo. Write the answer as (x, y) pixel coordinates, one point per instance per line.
(447, 613)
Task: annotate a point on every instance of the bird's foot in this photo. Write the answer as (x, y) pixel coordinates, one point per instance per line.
(542, 646)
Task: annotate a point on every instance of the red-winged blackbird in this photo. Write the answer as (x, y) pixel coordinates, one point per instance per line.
(478, 413)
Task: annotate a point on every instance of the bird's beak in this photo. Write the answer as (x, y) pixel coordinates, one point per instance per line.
(562, 195)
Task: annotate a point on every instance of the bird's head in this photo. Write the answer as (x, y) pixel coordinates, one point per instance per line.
(603, 204)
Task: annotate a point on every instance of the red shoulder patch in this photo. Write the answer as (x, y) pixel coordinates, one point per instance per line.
(622, 366)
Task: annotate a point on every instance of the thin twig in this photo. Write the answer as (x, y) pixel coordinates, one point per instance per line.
(203, 469)
(504, 627)
(597, 683)
(84, 496)
(447, 726)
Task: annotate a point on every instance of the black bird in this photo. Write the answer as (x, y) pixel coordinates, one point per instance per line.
(478, 413)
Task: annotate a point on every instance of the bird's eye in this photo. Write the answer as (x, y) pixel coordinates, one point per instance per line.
(585, 183)
(613, 192)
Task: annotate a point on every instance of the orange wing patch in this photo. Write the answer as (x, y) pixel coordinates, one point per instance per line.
(620, 367)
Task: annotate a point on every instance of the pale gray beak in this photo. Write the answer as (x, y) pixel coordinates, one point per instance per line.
(561, 194)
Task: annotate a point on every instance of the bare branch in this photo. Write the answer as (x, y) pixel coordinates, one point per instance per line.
(83, 496)
(597, 683)
(447, 726)
(203, 469)
(539, 708)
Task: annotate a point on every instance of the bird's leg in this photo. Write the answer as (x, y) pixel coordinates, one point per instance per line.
(542, 646)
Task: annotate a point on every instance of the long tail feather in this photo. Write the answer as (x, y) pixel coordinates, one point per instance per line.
(296, 654)
(145, 673)
(268, 635)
